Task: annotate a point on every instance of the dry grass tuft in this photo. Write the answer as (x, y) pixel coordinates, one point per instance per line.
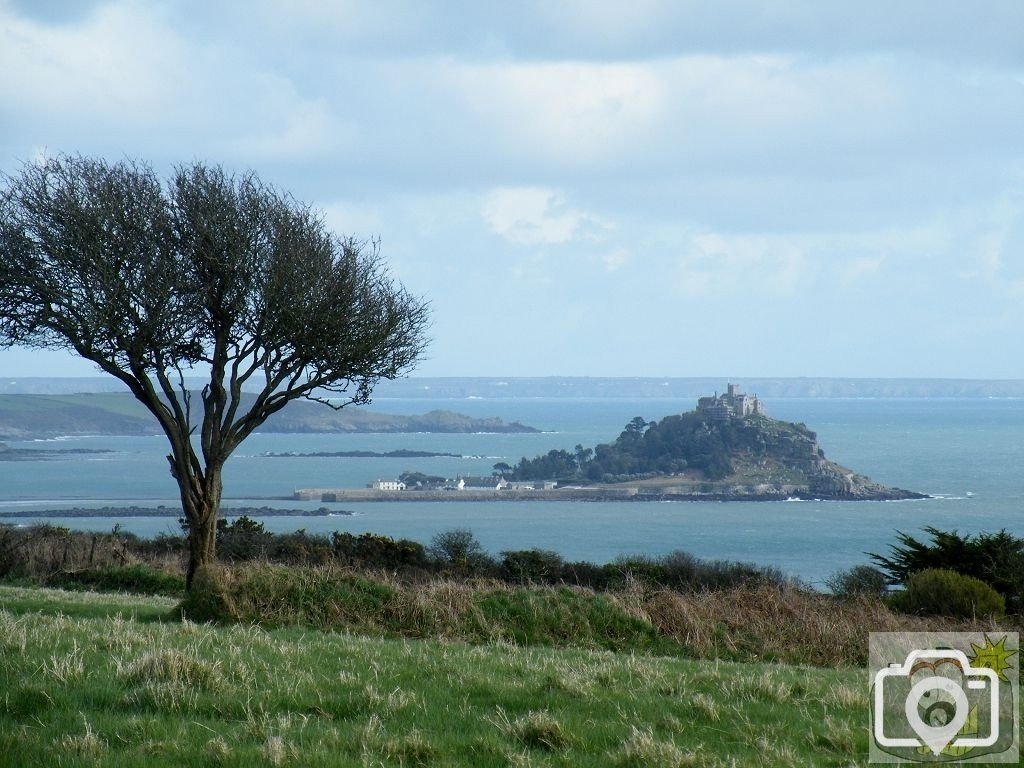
(86, 745)
(643, 750)
(173, 666)
(536, 729)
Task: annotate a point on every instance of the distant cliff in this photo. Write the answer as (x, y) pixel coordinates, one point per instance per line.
(27, 417)
(695, 455)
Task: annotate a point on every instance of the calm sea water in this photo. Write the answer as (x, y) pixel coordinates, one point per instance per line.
(967, 453)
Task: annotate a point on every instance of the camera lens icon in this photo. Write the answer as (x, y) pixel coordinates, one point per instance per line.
(936, 705)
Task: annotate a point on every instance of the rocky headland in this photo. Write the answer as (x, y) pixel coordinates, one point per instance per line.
(32, 417)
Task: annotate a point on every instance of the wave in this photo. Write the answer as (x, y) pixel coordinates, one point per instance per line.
(61, 438)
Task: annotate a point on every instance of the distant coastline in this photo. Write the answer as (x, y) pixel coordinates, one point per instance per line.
(498, 387)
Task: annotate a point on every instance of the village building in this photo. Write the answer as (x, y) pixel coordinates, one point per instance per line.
(387, 485)
(732, 405)
(491, 482)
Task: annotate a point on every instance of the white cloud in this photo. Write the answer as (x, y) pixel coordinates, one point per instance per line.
(571, 111)
(124, 76)
(617, 259)
(757, 265)
(535, 216)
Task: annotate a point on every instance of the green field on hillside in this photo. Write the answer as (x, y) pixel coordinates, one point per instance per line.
(96, 680)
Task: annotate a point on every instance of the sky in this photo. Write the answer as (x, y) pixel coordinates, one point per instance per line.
(592, 187)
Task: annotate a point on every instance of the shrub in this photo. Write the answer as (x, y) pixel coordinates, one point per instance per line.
(942, 592)
(859, 581)
(681, 570)
(299, 548)
(459, 551)
(526, 566)
(371, 550)
(243, 539)
(995, 558)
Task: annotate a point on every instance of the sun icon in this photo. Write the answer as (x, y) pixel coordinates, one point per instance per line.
(994, 656)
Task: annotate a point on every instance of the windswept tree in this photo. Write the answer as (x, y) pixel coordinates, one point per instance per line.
(208, 275)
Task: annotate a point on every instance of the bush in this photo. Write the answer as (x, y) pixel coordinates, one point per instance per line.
(244, 539)
(995, 558)
(525, 566)
(859, 581)
(681, 570)
(370, 550)
(299, 548)
(942, 592)
(458, 551)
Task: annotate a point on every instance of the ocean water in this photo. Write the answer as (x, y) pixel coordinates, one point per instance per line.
(967, 453)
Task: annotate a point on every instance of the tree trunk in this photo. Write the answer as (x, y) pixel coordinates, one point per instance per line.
(201, 505)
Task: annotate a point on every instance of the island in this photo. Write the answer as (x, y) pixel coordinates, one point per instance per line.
(174, 513)
(33, 417)
(37, 454)
(727, 449)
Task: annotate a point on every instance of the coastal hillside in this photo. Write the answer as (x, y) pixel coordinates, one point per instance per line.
(29, 417)
(728, 447)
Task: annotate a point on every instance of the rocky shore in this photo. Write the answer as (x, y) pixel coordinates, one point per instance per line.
(598, 494)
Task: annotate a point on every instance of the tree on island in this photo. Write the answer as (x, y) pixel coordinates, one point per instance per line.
(208, 275)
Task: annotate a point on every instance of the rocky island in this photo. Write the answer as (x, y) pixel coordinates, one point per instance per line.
(728, 449)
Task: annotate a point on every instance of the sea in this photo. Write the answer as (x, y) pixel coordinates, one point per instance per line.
(966, 453)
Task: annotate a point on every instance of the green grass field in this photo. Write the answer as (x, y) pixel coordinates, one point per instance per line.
(89, 679)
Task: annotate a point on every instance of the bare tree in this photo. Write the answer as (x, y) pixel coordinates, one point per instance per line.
(208, 275)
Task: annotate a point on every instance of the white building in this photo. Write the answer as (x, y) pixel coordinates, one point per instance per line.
(491, 483)
(387, 485)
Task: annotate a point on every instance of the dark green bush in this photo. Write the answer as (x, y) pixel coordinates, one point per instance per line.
(299, 548)
(861, 580)
(243, 539)
(942, 592)
(525, 566)
(681, 570)
(458, 552)
(370, 550)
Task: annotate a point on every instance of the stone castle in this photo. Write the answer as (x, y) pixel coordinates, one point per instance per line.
(732, 405)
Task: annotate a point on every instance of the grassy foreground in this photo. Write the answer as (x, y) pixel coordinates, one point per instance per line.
(89, 679)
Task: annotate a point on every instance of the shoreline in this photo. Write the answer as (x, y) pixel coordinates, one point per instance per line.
(363, 496)
(170, 512)
(590, 495)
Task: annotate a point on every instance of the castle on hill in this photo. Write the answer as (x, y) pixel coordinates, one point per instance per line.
(732, 405)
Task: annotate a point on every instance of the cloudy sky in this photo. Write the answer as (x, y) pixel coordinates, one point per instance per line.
(591, 187)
